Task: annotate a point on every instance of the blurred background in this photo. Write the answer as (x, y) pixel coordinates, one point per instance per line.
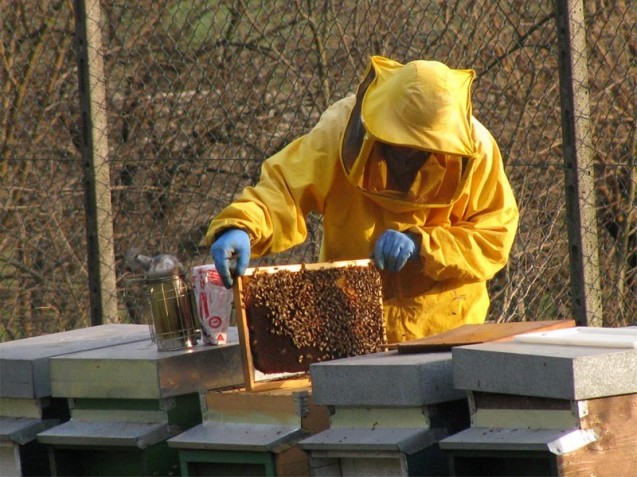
(130, 123)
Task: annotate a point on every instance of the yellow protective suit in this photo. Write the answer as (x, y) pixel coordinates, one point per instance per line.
(460, 203)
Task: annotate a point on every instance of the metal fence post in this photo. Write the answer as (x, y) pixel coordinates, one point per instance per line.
(99, 216)
(578, 161)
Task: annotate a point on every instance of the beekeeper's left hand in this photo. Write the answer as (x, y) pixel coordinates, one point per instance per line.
(393, 249)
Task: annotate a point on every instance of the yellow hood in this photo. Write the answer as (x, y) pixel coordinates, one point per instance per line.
(423, 105)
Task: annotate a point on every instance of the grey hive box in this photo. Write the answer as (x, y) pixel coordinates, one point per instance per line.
(127, 400)
(26, 404)
(556, 403)
(389, 412)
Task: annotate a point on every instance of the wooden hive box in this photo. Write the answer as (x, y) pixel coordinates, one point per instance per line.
(291, 316)
(478, 333)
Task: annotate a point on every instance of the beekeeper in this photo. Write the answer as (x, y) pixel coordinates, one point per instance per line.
(402, 172)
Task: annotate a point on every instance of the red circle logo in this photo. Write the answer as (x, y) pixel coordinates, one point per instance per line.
(214, 321)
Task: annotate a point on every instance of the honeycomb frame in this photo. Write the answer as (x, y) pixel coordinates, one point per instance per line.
(294, 315)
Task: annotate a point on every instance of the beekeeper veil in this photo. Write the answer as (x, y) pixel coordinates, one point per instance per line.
(423, 105)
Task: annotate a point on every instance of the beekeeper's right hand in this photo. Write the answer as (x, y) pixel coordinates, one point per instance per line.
(231, 254)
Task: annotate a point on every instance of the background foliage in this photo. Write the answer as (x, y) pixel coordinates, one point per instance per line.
(200, 92)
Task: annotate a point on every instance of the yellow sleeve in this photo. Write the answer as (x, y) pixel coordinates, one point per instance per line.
(476, 243)
(293, 183)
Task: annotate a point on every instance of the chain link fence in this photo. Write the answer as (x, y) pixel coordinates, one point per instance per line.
(196, 94)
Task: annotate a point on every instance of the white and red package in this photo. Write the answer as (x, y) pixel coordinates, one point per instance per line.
(214, 304)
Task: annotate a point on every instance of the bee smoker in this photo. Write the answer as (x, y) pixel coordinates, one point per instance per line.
(171, 301)
(172, 309)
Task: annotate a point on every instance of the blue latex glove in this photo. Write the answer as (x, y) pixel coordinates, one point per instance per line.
(393, 249)
(231, 254)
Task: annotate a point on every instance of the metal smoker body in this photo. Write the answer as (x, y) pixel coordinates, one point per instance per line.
(174, 323)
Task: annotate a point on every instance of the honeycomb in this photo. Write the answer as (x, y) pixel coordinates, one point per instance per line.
(296, 318)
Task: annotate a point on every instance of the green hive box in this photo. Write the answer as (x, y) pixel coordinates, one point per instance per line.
(26, 404)
(128, 400)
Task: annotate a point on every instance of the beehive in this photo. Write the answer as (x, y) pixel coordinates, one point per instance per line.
(293, 316)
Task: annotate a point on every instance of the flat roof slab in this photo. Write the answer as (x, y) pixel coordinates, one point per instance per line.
(545, 370)
(25, 363)
(139, 371)
(385, 379)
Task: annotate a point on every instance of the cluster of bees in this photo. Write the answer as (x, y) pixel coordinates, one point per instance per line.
(322, 314)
